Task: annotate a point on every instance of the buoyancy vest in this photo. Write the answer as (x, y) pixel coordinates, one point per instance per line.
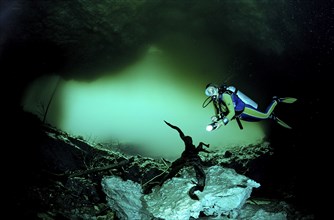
(238, 94)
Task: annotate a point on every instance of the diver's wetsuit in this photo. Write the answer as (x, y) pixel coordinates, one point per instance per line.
(237, 108)
(228, 106)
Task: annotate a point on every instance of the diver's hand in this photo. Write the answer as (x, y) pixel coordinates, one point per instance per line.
(221, 118)
(225, 120)
(214, 118)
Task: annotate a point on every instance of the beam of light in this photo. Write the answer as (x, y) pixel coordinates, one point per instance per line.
(130, 107)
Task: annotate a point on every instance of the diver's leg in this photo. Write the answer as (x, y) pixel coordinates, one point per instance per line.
(252, 114)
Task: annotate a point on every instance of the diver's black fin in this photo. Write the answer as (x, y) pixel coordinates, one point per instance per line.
(282, 123)
(286, 99)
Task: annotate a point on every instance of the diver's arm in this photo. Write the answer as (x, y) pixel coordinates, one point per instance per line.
(227, 99)
(216, 108)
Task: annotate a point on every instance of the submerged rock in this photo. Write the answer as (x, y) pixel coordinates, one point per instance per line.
(224, 194)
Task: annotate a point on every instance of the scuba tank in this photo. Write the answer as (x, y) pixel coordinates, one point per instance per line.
(242, 96)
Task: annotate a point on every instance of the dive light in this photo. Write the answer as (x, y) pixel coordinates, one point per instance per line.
(213, 126)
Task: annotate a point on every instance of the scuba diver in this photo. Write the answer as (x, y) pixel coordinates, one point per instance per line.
(230, 103)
